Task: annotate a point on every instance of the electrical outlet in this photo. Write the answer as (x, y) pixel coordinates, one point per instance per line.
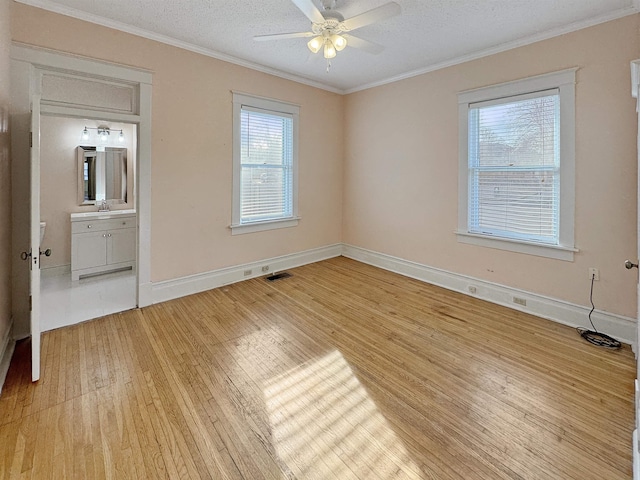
(247, 273)
(472, 289)
(520, 301)
(265, 268)
(594, 273)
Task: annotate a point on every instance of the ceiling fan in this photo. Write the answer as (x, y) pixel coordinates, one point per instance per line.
(329, 28)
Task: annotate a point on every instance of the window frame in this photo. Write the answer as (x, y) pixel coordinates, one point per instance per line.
(564, 82)
(273, 107)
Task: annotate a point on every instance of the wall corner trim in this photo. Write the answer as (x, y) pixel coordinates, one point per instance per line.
(618, 326)
(181, 287)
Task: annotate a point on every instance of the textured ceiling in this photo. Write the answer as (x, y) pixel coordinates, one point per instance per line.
(427, 35)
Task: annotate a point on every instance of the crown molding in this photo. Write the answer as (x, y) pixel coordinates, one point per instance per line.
(504, 47)
(140, 32)
(98, 20)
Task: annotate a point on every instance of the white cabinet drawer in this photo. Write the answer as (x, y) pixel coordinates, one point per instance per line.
(98, 225)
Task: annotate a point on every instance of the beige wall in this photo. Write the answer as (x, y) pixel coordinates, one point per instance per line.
(395, 190)
(59, 138)
(401, 169)
(5, 176)
(191, 147)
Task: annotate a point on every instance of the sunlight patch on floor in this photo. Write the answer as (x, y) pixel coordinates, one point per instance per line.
(323, 422)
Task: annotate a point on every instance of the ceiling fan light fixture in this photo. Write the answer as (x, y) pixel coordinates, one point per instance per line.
(315, 44)
(329, 50)
(331, 32)
(339, 42)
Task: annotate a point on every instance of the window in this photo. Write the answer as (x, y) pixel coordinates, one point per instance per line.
(516, 180)
(265, 153)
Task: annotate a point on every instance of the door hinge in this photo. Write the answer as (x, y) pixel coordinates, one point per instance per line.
(30, 303)
(30, 139)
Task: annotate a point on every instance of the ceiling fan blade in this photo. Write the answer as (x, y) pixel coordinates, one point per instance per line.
(364, 45)
(279, 36)
(387, 10)
(310, 10)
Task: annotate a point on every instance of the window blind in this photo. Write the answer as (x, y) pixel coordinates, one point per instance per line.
(514, 167)
(266, 151)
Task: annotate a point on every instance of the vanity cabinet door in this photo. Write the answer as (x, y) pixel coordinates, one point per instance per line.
(121, 245)
(89, 250)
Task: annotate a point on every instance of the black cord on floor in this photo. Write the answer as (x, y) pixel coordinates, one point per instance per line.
(593, 336)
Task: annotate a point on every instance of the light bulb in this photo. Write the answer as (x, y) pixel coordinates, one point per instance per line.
(85, 134)
(121, 137)
(315, 44)
(339, 42)
(104, 135)
(329, 50)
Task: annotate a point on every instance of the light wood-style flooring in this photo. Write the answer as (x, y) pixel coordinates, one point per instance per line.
(341, 371)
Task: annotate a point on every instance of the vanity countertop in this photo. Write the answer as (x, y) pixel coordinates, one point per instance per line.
(76, 217)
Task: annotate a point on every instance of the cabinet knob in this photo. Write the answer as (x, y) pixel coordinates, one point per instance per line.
(104, 235)
(89, 226)
(108, 235)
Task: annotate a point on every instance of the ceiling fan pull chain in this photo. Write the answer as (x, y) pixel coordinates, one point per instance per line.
(328, 65)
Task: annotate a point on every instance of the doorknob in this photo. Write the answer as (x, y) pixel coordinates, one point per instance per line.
(25, 255)
(46, 253)
(629, 264)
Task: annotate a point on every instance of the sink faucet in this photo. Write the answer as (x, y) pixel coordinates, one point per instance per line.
(103, 206)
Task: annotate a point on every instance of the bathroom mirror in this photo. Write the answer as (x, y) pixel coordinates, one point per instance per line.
(102, 175)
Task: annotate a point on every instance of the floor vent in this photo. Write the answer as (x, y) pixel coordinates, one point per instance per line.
(278, 276)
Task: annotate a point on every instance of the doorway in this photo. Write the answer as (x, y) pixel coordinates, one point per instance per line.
(48, 83)
(65, 143)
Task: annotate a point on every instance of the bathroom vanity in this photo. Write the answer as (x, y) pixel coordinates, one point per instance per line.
(102, 242)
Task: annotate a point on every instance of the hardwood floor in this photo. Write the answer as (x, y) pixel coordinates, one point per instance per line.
(341, 371)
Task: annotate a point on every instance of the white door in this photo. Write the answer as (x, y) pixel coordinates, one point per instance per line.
(35, 238)
(635, 88)
(638, 285)
(636, 445)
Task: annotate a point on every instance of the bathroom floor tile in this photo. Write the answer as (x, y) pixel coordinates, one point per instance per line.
(64, 302)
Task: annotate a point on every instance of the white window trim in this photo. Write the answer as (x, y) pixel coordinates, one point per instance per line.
(564, 81)
(262, 103)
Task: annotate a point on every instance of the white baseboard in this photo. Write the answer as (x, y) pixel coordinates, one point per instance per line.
(6, 352)
(618, 326)
(180, 287)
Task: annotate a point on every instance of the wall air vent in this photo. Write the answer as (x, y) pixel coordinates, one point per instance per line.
(278, 276)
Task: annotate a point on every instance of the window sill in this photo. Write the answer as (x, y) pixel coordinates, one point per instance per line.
(264, 225)
(557, 252)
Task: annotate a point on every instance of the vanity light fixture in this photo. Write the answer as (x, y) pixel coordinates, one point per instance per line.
(103, 133)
